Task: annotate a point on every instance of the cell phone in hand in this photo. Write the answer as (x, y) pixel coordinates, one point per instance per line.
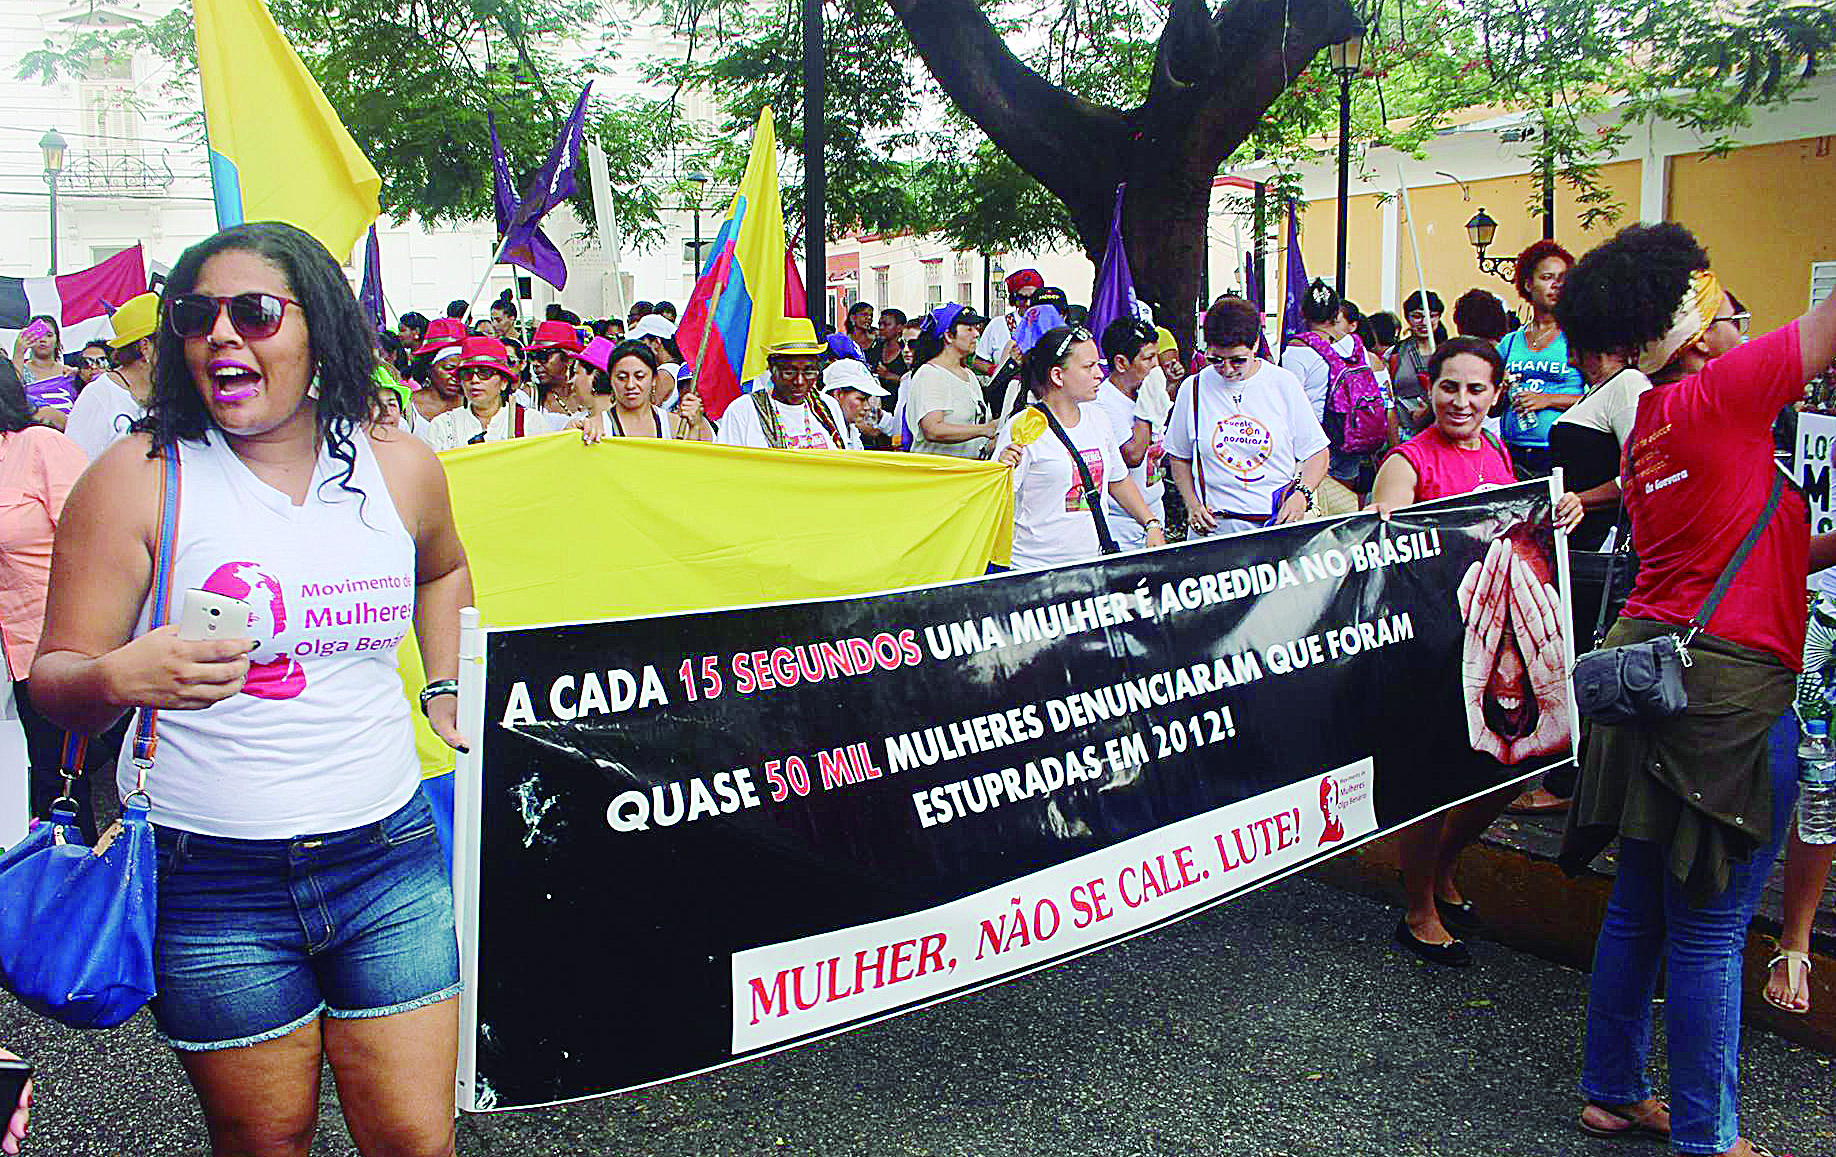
(13, 1078)
(207, 615)
(36, 330)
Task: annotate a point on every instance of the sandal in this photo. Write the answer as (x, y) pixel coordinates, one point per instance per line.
(1629, 1129)
(1797, 976)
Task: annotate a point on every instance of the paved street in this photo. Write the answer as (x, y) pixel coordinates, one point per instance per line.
(1283, 1025)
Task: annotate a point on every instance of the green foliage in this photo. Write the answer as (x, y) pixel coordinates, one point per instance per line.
(413, 81)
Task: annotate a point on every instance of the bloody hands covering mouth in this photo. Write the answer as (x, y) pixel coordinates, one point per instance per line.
(1513, 644)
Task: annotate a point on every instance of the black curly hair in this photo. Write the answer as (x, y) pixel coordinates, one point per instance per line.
(1625, 291)
(340, 339)
(1321, 304)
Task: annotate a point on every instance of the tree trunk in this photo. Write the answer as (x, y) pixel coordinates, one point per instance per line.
(1215, 74)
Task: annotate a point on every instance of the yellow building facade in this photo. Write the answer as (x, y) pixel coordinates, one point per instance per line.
(1766, 212)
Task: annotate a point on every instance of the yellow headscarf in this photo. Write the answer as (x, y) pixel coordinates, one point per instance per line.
(1695, 313)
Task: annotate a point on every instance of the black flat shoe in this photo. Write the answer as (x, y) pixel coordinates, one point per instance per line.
(1461, 917)
(1453, 954)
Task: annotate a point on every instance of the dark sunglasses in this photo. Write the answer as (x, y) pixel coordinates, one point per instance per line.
(96, 363)
(1020, 298)
(253, 315)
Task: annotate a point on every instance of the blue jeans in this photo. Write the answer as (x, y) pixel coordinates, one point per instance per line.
(1650, 918)
(256, 938)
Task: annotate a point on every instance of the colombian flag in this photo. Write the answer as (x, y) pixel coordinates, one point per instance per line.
(277, 150)
(740, 294)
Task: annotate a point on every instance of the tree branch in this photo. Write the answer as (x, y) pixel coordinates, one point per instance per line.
(1061, 140)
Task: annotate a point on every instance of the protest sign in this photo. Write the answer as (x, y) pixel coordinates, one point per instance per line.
(1815, 445)
(700, 838)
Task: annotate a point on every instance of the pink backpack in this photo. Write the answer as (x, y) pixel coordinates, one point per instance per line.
(1357, 412)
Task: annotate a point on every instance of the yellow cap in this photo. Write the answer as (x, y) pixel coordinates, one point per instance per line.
(793, 335)
(137, 317)
(1166, 340)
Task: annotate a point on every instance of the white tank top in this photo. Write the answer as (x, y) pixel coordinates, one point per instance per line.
(319, 739)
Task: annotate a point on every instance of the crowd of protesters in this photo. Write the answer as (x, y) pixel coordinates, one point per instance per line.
(1629, 369)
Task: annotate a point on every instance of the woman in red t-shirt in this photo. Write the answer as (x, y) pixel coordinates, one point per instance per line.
(1699, 802)
(1456, 455)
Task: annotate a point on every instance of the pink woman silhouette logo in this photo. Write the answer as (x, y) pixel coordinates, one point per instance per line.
(1329, 808)
(276, 678)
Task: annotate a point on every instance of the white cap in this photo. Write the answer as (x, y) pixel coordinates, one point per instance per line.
(848, 374)
(652, 325)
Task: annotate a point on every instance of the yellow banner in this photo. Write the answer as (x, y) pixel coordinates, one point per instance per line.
(560, 532)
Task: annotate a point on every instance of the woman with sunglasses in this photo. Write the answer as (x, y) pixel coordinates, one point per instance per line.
(285, 764)
(492, 412)
(1054, 512)
(1700, 802)
(1243, 446)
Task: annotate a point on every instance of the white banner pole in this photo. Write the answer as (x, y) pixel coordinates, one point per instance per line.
(468, 798)
(609, 241)
(1415, 246)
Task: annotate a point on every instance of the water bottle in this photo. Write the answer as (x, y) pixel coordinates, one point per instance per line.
(1816, 784)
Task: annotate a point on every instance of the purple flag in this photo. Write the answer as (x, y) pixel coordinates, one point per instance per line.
(1292, 322)
(524, 243)
(503, 190)
(1253, 293)
(1114, 296)
(370, 296)
(554, 183)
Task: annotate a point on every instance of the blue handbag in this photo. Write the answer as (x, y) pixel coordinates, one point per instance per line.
(76, 924)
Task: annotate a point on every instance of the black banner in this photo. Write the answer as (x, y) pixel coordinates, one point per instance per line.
(712, 835)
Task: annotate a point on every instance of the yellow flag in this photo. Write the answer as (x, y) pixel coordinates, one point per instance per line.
(558, 532)
(277, 150)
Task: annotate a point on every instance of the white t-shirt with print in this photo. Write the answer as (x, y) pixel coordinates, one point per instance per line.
(995, 336)
(1149, 477)
(1251, 436)
(102, 413)
(457, 428)
(740, 425)
(1052, 519)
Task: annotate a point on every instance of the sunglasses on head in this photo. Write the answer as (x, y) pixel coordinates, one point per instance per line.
(1078, 333)
(253, 315)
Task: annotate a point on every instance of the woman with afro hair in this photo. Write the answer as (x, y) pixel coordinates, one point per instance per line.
(1700, 802)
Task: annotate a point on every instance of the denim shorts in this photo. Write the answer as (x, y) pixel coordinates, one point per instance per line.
(259, 937)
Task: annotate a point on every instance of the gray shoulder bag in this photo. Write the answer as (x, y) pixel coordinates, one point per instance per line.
(1643, 682)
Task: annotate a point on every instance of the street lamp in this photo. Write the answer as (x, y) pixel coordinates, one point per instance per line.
(1347, 61)
(701, 180)
(53, 144)
(1480, 231)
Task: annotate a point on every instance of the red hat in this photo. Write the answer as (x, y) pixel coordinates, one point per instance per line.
(554, 335)
(1024, 279)
(487, 352)
(441, 332)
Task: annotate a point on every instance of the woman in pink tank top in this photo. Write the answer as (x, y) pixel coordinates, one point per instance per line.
(1456, 455)
(304, 911)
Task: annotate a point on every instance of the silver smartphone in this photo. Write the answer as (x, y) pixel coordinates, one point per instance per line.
(206, 615)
